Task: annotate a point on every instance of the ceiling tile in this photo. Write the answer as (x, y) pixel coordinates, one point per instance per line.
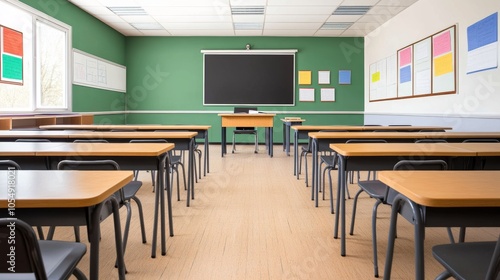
(214, 18)
(296, 18)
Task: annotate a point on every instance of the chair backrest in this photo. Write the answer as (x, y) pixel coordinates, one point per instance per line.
(32, 140)
(366, 141)
(28, 258)
(494, 267)
(244, 109)
(105, 164)
(323, 146)
(431, 141)
(481, 141)
(88, 165)
(91, 141)
(431, 130)
(431, 164)
(9, 164)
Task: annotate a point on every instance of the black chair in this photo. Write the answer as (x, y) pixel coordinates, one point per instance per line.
(469, 260)
(304, 151)
(37, 259)
(176, 161)
(385, 195)
(245, 130)
(32, 140)
(431, 141)
(123, 196)
(351, 174)
(330, 159)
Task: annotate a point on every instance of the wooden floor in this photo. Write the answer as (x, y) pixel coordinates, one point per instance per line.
(252, 219)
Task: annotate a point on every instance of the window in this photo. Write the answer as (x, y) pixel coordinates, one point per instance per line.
(42, 84)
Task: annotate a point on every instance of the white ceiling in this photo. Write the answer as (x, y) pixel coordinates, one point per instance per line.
(214, 17)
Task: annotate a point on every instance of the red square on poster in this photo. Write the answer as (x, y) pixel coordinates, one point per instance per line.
(12, 41)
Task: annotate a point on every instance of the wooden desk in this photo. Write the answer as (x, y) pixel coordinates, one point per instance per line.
(183, 140)
(66, 199)
(441, 199)
(382, 156)
(248, 120)
(287, 123)
(302, 132)
(132, 156)
(201, 129)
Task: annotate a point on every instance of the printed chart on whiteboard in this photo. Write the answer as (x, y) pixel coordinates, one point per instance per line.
(96, 72)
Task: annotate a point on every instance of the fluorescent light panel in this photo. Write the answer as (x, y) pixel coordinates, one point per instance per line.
(247, 10)
(351, 10)
(128, 11)
(248, 26)
(147, 26)
(336, 25)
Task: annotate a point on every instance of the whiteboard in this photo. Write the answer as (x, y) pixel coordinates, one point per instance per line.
(92, 71)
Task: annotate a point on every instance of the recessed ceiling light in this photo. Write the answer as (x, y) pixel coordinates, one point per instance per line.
(336, 25)
(248, 26)
(247, 10)
(128, 11)
(351, 10)
(147, 26)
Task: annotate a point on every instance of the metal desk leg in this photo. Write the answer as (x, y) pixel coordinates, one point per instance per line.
(206, 168)
(296, 155)
(271, 141)
(223, 141)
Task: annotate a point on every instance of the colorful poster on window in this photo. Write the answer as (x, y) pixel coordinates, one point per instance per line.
(11, 56)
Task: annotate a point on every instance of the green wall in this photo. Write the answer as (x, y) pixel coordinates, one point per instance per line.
(165, 74)
(92, 36)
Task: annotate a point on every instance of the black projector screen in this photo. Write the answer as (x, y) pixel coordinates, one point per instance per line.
(249, 79)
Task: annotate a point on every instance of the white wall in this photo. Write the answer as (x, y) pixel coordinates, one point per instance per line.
(476, 106)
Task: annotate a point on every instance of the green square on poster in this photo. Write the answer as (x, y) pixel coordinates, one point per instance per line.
(12, 68)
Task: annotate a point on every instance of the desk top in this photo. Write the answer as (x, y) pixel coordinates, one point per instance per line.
(400, 149)
(446, 188)
(367, 128)
(246, 115)
(124, 126)
(133, 135)
(57, 189)
(96, 134)
(83, 149)
(367, 135)
(481, 149)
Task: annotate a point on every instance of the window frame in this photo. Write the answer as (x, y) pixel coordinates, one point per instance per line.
(35, 94)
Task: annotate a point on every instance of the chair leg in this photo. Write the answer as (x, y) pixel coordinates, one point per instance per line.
(331, 191)
(305, 164)
(198, 151)
(256, 143)
(76, 229)
(374, 237)
(443, 275)
(40, 233)
(234, 146)
(353, 218)
(141, 218)
(79, 274)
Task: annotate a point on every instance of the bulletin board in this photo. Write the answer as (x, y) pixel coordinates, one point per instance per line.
(425, 68)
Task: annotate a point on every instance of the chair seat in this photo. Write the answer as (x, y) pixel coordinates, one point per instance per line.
(468, 260)
(374, 188)
(328, 160)
(56, 253)
(245, 131)
(131, 189)
(59, 259)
